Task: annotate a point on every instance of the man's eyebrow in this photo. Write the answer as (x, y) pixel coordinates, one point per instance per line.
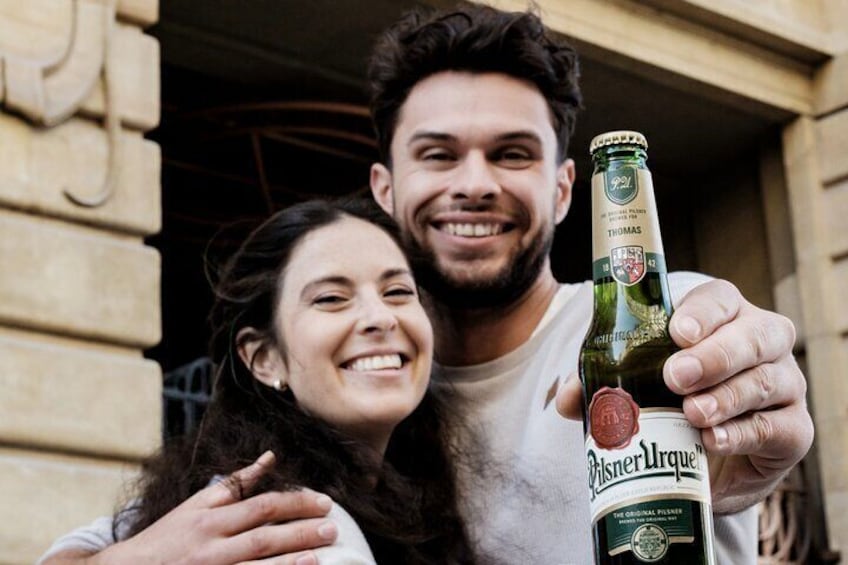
(527, 135)
(430, 135)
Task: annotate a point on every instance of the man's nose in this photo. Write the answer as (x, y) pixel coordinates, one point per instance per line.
(475, 178)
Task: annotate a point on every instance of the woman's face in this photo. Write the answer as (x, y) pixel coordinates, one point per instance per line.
(355, 342)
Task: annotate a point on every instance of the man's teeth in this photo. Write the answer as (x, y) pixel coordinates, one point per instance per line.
(377, 362)
(472, 230)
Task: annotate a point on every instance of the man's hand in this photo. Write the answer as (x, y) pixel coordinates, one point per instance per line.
(742, 388)
(221, 525)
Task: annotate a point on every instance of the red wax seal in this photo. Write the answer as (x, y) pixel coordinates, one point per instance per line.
(613, 417)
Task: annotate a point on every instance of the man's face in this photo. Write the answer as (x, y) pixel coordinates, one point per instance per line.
(475, 185)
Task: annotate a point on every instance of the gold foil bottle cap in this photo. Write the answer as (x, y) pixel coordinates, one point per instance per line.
(620, 137)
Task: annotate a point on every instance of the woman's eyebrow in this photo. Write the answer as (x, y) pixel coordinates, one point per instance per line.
(329, 279)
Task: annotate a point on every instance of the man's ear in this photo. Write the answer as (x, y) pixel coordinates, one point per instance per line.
(381, 187)
(565, 182)
(261, 358)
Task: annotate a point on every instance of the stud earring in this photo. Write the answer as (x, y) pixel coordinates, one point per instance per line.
(279, 386)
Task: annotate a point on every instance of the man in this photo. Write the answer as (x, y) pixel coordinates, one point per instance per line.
(473, 113)
(474, 110)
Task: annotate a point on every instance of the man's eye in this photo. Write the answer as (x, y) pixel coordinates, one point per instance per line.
(436, 155)
(515, 155)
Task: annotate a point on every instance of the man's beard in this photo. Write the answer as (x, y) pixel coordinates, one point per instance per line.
(503, 289)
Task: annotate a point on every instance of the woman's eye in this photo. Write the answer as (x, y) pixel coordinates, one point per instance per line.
(329, 299)
(399, 292)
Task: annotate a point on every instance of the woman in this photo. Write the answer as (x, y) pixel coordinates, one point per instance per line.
(323, 354)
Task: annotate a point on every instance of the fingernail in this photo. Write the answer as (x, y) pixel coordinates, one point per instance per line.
(685, 371)
(306, 560)
(706, 404)
(327, 531)
(689, 329)
(324, 502)
(266, 458)
(720, 435)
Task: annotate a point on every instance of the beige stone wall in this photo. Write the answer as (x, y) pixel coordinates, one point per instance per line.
(815, 150)
(79, 289)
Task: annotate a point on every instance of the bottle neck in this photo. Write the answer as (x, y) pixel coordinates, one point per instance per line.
(626, 242)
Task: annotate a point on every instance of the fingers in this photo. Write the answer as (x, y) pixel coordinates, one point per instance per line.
(305, 558)
(272, 507)
(704, 309)
(711, 354)
(766, 386)
(775, 439)
(288, 541)
(237, 485)
(569, 398)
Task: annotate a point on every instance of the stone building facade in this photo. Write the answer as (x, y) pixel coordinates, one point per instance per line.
(80, 190)
(79, 290)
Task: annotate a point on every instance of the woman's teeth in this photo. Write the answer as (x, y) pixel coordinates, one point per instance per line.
(376, 363)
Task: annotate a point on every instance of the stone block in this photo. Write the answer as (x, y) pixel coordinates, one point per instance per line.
(831, 85)
(836, 210)
(54, 55)
(37, 165)
(142, 12)
(787, 298)
(64, 396)
(832, 142)
(77, 281)
(36, 30)
(45, 496)
(836, 506)
(134, 58)
(840, 275)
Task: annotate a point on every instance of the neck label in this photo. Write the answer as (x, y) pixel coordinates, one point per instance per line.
(626, 243)
(621, 186)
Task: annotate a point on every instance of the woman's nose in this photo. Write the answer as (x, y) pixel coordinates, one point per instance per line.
(376, 316)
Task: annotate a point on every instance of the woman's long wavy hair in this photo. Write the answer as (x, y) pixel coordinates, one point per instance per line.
(410, 516)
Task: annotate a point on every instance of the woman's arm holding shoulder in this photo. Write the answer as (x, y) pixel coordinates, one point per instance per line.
(215, 526)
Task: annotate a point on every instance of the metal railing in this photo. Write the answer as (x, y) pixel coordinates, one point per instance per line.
(185, 393)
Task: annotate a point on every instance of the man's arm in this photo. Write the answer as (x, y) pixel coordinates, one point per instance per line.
(217, 527)
(742, 388)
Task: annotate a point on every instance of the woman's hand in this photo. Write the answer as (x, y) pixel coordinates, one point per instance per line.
(223, 525)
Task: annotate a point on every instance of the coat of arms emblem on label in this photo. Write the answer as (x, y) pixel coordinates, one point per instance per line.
(628, 264)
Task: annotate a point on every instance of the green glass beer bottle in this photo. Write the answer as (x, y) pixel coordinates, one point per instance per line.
(648, 479)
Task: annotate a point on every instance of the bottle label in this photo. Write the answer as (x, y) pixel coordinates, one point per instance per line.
(644, 489)
(626, 240)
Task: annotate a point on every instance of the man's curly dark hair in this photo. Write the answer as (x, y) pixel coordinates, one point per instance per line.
(477, 39)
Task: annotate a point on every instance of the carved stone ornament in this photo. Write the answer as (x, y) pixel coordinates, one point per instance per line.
(52, 55)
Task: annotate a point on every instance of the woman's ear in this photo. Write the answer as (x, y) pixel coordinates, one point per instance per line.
(261, 358)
